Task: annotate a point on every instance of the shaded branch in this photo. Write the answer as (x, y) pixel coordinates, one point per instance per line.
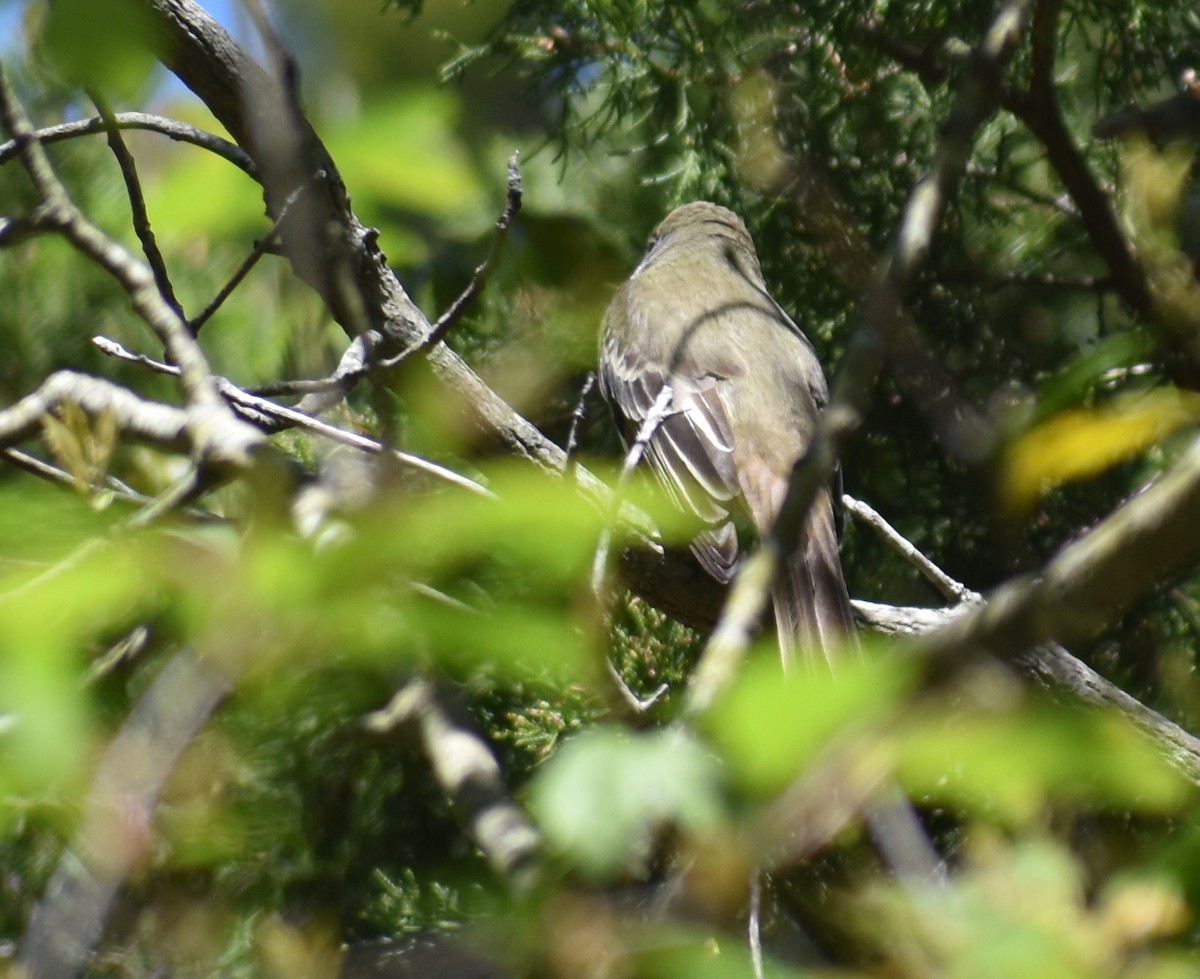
(209, 61)
(115, 832)
(137, 204)
(1039, 109)
(364, 354)
(483, 271)
(467, 771)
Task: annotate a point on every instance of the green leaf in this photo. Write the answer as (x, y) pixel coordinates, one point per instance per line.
(1009, 765)
(770, 728)
(602, 797)
(104, 44)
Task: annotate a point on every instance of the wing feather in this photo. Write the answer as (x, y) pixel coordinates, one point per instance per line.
(691, 452)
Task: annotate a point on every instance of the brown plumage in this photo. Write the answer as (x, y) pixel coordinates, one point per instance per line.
(746, 393)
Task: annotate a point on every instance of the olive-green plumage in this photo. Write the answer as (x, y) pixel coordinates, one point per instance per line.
(746, 393)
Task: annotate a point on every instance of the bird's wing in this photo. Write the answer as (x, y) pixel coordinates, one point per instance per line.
(690, 451)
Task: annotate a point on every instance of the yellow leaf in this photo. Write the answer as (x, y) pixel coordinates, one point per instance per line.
(1083, 442)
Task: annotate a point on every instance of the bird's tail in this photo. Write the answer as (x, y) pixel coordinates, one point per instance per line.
(812, 607)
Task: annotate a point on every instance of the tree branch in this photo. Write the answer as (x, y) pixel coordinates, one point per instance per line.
(178, 131)
(137, 203)
(215, 434)
(211, 63)
(1038, 108)
(115, 831)
(467, 770)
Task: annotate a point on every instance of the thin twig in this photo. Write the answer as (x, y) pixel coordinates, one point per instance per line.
(602, 560)
(137, 205)
(261, 247)
(754, 924)
(115, 488)
(360, 357)
(578, 414)
(482, 272)
(292, 417)
(949, 588)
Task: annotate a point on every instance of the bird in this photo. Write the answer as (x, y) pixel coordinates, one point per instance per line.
(747, 390)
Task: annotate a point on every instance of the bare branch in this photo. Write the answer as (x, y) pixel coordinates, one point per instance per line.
(149, 421)
(261, 247)
(950, 589)
(1089, 581)
(482, 272)
(260, 409)
(362, 356)
(1039, 109)
(211, 63)
(214, 431)
(178, 131)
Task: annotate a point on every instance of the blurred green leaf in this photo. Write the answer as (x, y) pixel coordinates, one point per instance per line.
(606, 792)
(402, 151)
(663, 953)
(103, 44)
(770, 727)
(1009, 765)
(1013, 912)
(200, 195)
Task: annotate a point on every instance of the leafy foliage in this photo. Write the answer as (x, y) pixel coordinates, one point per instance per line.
(311, 826)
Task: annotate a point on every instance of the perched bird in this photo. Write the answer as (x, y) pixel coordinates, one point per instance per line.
(746, 392)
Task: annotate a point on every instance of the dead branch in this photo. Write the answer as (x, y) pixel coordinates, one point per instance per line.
(214, 433)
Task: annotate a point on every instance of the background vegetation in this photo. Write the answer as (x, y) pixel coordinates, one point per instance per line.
(306, 710)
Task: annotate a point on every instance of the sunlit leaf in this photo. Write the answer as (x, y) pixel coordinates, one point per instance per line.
(605, 793)
(1137, 910)
(104, 44)
(770, 728)
(1083, 442)
(1008, 765)
(1012, 911)
(1154, 184)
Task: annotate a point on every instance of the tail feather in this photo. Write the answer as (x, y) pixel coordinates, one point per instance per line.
(813, 615)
